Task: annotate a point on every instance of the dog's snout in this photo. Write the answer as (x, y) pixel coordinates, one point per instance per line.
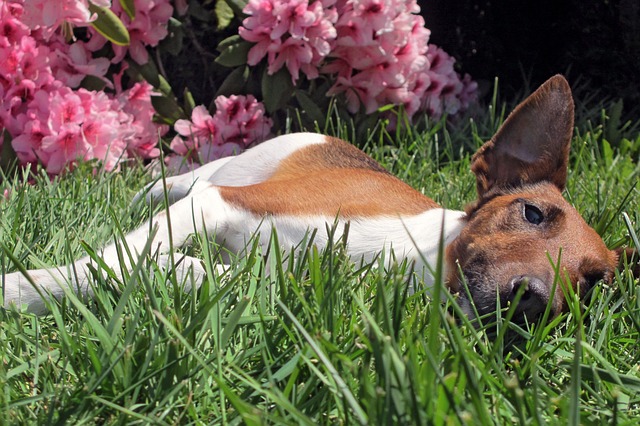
(535, 295)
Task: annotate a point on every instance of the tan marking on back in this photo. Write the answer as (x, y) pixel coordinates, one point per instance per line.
(334, 154)
(330, 179)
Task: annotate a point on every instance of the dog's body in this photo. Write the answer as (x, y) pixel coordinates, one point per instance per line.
(301, 182)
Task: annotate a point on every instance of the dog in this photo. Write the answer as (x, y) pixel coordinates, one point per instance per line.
(511, 237)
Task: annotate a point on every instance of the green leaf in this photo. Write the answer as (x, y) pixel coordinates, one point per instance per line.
(276, 90)
(237, 5)
(233, 52)
(129, 7)
(167, 107)
(148, 71)
(341, 387)
(91, 82)
(310, 108)
(235, 83)
(7, 154)
(109, 25)
(607, 153)
(173, 42)
(198, 12)
(234, 39)
(233, 321)
(164, 87)
(189, 102)
(224, 14)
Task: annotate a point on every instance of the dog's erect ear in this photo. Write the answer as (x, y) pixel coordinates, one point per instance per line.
(533, 143)
(632, 257)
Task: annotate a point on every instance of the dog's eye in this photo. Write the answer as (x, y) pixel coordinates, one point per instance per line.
(533, 214)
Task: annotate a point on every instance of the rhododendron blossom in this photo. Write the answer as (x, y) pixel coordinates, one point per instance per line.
(137, 116)
(72, 63)
(146, 30)
(48, 119)
(446, 93)
(376, 51)
(290, 33)
(239, 122)
(65, 125)
(373, 52)
(49, 15)
(380, 55)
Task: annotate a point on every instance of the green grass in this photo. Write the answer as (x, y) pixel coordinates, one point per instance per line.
(319, 340)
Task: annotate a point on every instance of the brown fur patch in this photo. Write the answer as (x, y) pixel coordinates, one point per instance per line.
(330, 179)
(334, 154)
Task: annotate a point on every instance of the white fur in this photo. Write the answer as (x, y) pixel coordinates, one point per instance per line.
(203, 210)
(253, 166)
(415, 238)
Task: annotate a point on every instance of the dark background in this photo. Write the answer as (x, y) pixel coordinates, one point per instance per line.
(593, 42)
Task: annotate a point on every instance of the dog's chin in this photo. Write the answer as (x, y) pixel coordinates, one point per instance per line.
(474, 299)
(465, 306)
(483, 305)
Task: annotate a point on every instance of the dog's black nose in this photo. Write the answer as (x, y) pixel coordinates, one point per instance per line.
(534, 298)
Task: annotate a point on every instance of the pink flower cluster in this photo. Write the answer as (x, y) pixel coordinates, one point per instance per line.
(238, 123)
(446, 91)
(61, 126)
(291, 33)
(147, 29)
(49, 15)
(49, 119)
(376, 51)
(380, 55)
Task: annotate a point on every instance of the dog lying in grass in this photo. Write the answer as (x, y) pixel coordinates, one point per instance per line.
(505, 246)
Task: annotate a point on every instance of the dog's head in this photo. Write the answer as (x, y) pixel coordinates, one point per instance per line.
(521, 231)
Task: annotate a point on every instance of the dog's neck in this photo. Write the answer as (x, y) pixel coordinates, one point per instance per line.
(416, 238)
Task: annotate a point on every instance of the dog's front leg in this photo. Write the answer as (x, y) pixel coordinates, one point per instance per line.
(204, 211)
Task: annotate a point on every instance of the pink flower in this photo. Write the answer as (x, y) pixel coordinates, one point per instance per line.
(446, 93)
(28, 144)
(24, 67)
(239, 122)
(12, 29)
(138, 111)
(49, 15)
(181, 146)
(197, 132)
(147, 29)
(64, 126)
(241, 119)
(382, 57)
(201, 126)
(179, 164)
(72, 63)
(47, 121)
(379, 55)
(290, 33)
(65, 147)
(105, 128)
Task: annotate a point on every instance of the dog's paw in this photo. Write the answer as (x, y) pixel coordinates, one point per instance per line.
(189, 270)
(20, 292)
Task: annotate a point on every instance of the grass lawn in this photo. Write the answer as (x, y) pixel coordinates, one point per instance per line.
(319, 340)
